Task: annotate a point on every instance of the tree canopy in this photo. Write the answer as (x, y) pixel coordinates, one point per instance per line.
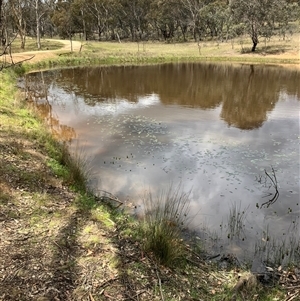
(137, 20)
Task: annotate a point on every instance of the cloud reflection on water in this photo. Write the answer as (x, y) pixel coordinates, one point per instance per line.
(214, 134)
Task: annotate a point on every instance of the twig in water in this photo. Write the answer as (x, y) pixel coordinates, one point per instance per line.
(273, 180)
(109, 196)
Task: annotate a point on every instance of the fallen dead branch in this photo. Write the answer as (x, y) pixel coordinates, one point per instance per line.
(108, 197)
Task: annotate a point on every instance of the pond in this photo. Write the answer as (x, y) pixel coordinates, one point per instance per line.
(228, 134)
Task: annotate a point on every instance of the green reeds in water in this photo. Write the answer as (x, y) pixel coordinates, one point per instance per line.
(275, 251)
(236, 221)
(165, 217)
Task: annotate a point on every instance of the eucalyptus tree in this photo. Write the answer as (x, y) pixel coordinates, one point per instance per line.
(41, 8)
(65, 18)
(1, 18)
(2, 24)
(18, 10)
(193, 14)
(101, 15)
(82, 15)
(257, 16)
(164, 17)
(134, 13)
(213, 16)
(290, 12)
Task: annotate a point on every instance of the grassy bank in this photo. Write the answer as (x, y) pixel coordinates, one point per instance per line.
(284, 52)
(60, 242)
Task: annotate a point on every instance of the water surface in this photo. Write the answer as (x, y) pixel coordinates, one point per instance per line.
(215, 129)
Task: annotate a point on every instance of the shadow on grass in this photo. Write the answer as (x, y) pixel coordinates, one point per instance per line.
(267, 50)
(64, 261)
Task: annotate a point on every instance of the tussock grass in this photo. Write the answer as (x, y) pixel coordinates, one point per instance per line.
(78, 165)
(164, 219)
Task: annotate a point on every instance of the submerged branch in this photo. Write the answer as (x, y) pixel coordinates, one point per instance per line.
(274, 183)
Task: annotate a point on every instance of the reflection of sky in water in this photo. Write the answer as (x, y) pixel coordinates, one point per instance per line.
(146, 146)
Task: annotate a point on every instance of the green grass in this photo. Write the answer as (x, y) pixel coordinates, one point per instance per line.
(235, 50)
(31, 45)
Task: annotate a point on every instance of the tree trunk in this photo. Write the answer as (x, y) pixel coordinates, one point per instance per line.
(38, 34)
(253, 47)
(71, 42)
(23, 39)
(255, 42)
(254, 37)
(1, 31)
(84, 26)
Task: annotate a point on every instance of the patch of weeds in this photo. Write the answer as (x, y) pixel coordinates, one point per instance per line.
(55, 221)
(114, 261)
(15, 147)
(19, 69)
(47, 142)
(164, 220)
(41, 199)
(257, 293)
(58, 169)
(38, 217)
(93, 240)
(131, 232)
(4, 198)
(128, 226)
(85, 202)
(100, 214)
(30, 179)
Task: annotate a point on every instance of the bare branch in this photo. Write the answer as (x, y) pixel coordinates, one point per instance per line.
(274, 183)
(7, 51)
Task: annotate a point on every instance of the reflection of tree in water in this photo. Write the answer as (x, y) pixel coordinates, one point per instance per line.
(62, 132)
(38, 92)
(183, 84)
(253, 92)
(252, 96)
(191, 85)
(247, 93)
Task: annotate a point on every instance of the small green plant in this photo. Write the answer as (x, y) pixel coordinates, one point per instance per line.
(19, 69)
(164, 219)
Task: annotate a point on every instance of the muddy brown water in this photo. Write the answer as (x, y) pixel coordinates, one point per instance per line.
(213, 128)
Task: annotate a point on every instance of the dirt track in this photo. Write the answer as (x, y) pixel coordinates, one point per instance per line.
(36, 56)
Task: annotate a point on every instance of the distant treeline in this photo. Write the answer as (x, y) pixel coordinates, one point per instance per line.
(140, 20)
